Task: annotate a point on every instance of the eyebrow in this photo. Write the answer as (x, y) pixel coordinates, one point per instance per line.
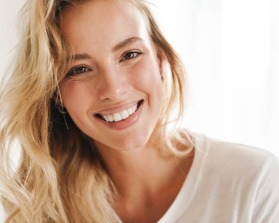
(126, 42)
(122, 44)
(80, 56)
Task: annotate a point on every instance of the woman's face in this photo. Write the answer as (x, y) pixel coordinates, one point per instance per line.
(113, 87)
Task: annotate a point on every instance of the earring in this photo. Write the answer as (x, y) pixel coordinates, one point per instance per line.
(62, 110)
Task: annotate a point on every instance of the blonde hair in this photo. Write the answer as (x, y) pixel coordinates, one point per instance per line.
(60, 176)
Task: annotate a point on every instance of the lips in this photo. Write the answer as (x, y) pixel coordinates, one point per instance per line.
(121, 115)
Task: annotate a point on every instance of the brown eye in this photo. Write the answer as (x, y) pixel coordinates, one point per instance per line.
(130, 56)
(77, 71)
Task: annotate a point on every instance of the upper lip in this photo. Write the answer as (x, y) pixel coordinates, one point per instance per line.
(117, 108)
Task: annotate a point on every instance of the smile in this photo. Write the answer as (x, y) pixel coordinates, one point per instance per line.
(121, 115)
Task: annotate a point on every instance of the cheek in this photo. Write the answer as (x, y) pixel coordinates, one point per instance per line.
(148, 75)
(75, 95)
(148, 80)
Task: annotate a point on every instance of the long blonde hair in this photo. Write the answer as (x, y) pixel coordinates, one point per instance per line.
(60, 176)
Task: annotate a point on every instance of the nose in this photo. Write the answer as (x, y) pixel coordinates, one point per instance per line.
(113, 84)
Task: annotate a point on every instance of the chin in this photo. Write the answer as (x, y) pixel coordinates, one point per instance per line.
(136, 142)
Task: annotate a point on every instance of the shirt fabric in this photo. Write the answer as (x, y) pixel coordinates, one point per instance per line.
(227, 183)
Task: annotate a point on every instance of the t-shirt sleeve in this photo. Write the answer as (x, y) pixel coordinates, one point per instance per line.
(266, 206)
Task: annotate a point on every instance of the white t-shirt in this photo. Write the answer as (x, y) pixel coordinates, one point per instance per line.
(227, 183)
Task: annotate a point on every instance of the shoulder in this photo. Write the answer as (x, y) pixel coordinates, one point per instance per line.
(236, 156)
(236, 177)
(235, 164)
(237, 182)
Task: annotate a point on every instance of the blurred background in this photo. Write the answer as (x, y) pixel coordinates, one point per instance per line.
(231, 52)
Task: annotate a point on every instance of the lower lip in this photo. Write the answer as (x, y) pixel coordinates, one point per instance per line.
(123, 124)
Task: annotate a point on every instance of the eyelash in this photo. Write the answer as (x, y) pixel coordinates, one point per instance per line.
(78, 70)
(134, 53)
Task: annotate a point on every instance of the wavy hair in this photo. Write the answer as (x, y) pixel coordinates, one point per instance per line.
(60, 176)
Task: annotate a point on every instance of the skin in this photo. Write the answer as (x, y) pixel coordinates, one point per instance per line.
(112, 85)
(118, 66)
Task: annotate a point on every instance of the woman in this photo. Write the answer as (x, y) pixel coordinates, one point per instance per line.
(92, 103)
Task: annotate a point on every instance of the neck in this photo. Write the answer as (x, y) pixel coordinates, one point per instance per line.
(143, 170)
(141, 178)
(134, 167)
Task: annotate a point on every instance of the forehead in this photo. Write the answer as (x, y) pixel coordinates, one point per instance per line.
(102, 20)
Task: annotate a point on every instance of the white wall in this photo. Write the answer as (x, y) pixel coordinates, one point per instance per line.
(231, 51)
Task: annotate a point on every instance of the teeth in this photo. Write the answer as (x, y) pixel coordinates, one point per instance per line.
(110, 118)
(106, 118)
(130, 111)
(124, 114)
(115, 117)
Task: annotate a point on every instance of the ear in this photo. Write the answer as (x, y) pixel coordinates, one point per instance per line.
(161, 58)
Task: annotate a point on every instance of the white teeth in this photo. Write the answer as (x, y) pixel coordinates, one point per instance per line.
(106, 118)
(110, 118)
(130, 111)
(115, 117)
(124, 114)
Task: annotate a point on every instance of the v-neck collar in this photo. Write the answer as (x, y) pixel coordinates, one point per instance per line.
(186, 193)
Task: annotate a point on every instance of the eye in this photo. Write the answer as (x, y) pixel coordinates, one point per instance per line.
(130, 55)
(77, 71)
